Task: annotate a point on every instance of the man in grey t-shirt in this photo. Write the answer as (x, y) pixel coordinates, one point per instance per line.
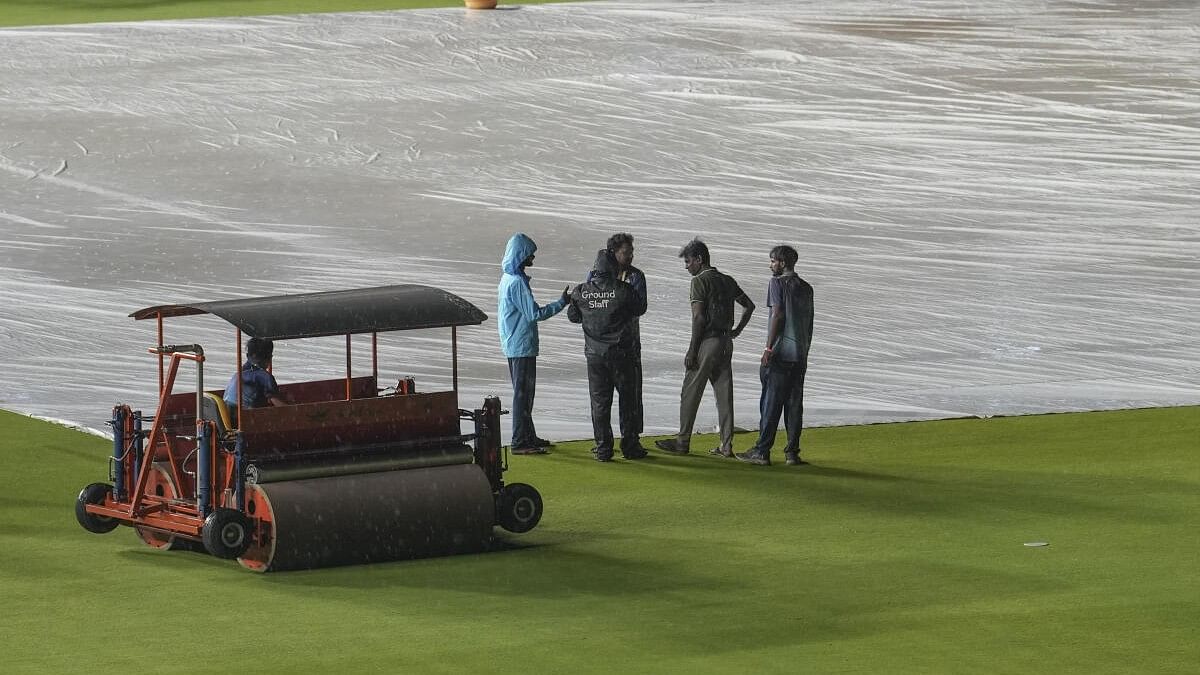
(785, 360)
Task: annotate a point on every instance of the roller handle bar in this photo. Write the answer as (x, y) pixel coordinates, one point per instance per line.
(144, 433)
(470, 414)
(178, 349)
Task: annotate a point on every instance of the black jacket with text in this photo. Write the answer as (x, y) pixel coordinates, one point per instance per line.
(607, 308)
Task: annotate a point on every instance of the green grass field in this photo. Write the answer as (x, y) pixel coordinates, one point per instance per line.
(900, 551)
(39, 12)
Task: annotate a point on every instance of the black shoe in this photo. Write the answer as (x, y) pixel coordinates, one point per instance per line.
(754, 458)
(636, 453)
(602, 456)
(670, 445)
(793, 459)
(721, 452)
(542, 443)
(528, 451)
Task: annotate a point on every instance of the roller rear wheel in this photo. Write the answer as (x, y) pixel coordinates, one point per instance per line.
(519, 507)
(369, 518)
(161, 485)
(96, 493)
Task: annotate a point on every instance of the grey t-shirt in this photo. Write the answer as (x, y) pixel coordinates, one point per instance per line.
(793, 296)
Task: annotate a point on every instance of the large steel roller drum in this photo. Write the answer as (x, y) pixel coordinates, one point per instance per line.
(371, 517)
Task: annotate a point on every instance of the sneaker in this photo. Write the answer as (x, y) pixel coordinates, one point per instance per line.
(793, 459)
(721, 452)
(528, 451)
(670, 445)
(602, 456)
(542, 443)
(636, 453)
(754, 458)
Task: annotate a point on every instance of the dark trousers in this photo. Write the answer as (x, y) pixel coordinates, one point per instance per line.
(604, 375)
(637, 393)
(523, 373)
(782, 395)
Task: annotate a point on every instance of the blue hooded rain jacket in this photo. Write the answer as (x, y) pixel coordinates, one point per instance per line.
(518, 313)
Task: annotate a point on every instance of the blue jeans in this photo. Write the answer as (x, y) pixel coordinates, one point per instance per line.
(782, 395)
(523, 373)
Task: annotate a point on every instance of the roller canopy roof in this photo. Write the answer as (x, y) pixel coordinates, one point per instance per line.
(362, 310)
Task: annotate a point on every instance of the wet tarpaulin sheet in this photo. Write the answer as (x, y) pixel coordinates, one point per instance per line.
(995, 202)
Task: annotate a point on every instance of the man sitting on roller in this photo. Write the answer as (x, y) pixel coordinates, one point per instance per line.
(259, 388)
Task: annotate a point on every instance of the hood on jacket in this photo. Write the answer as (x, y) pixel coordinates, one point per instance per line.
(606, 264)
(519, 248)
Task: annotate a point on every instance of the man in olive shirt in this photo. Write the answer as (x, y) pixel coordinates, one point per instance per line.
(710, 352)
(785, 360)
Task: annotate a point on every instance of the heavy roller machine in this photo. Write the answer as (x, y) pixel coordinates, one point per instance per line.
(349, 473)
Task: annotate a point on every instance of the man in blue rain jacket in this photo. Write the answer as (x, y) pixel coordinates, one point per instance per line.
(518, 318)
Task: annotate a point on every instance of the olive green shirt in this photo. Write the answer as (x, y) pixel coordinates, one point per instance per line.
(717, 291)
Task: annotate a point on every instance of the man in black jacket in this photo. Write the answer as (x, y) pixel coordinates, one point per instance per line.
(608, 309)
(621, 246)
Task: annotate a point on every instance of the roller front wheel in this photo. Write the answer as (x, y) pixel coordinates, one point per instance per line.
(96, 493)
(226, 533)
(519, 507)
